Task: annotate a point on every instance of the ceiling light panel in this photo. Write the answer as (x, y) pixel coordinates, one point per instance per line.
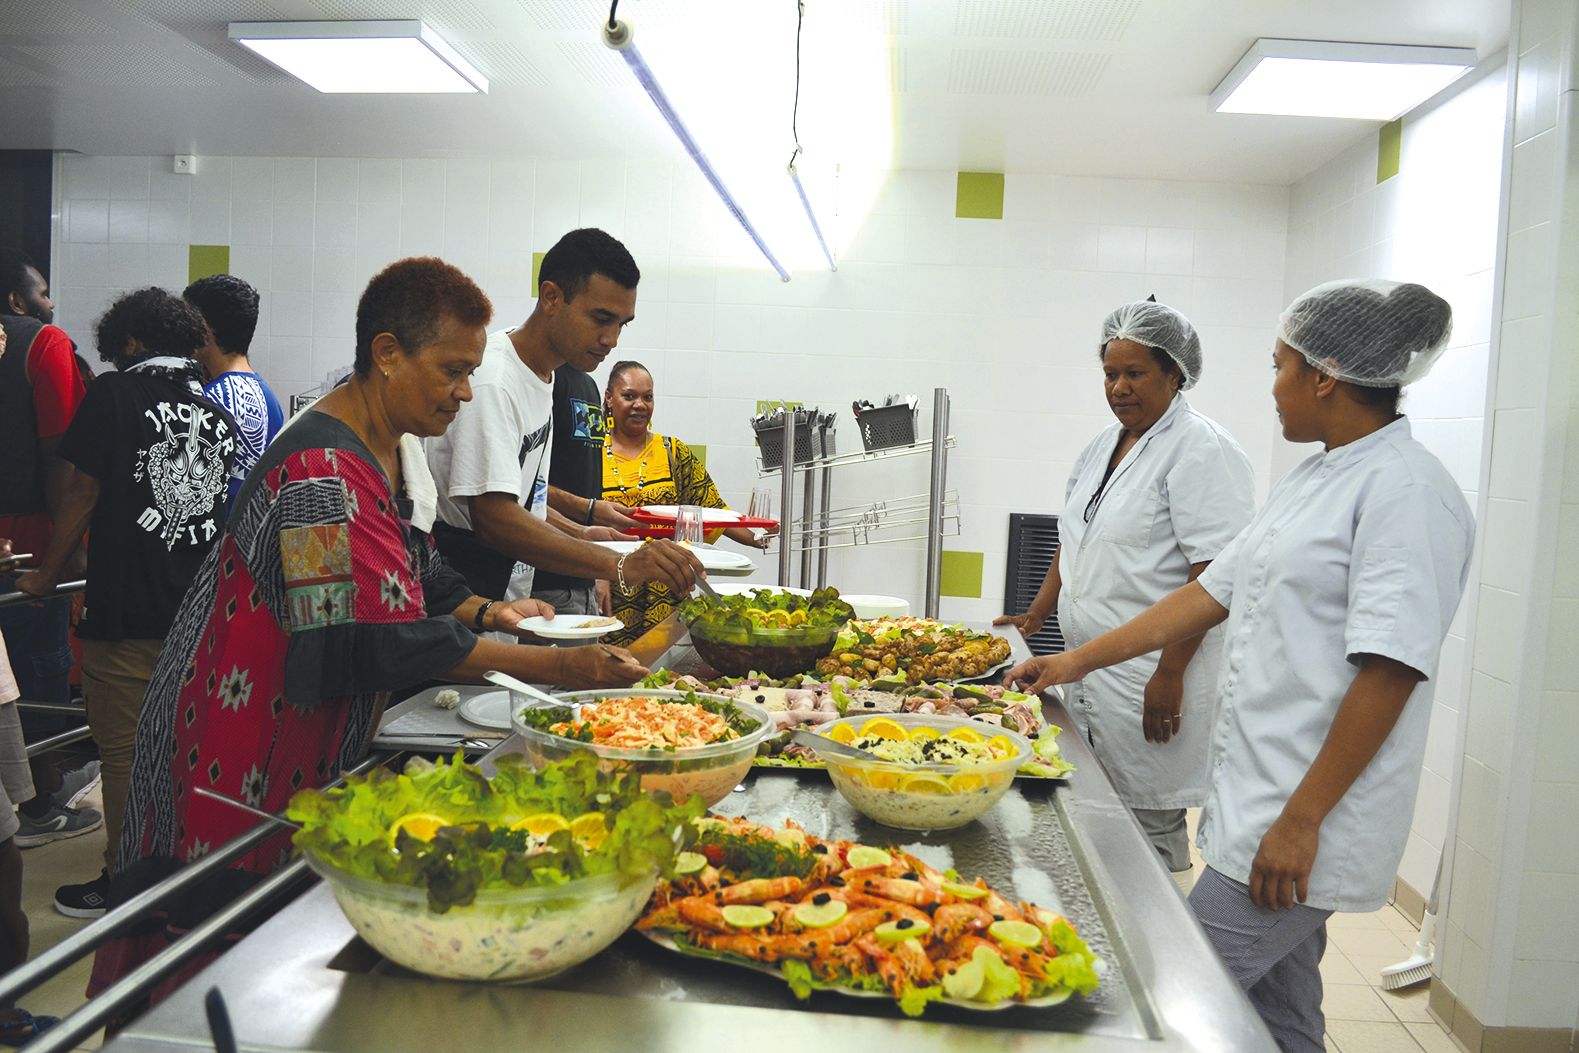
(367, 57)
(1313, 78)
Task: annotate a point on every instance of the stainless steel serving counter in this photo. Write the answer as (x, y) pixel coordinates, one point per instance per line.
(304, 981)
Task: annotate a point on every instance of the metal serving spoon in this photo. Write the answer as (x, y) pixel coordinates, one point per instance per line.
(824, 744)
(493, 676)
(245, 807)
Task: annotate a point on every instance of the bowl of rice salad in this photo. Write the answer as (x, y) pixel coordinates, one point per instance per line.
(681, 742)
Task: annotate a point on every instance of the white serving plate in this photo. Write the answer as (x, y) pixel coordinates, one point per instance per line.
(710, 516)
(570, 626)
(491, 709)
(714, 560)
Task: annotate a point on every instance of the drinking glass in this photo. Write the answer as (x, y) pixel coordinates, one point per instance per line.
(761, 506)
(688, 525)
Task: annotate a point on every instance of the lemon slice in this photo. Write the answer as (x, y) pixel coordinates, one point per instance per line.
(1002, 746)
(966, 735)
(961, 890)
(589, 829)
(884, 728)
(923, 733)
(843, 733)
(1015, 933)
(926, 782)
(821, 915)
(965, 782)
(902, 929)
(421, 825)
(691, 863)
(542, 824)
(797, 617)
(747, 915)
(861, 856)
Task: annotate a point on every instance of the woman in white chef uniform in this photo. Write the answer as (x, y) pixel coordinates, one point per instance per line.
(1151, 501)
(1337, 597)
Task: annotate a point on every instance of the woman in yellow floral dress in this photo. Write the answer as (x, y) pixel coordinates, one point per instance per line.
(642, 467)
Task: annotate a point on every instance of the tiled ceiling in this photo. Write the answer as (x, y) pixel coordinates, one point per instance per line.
(1061, 85)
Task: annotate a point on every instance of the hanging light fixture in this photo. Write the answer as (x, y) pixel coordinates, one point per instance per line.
(620, 36)
(794, 173)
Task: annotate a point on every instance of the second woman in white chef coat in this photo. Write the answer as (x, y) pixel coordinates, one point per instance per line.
(1151, 501)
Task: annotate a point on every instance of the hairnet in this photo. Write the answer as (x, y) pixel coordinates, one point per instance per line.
(1371, 332)
(1159, 326)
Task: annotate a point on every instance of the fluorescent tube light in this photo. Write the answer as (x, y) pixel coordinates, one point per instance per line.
(396, 56)
(816, 228)
(1319, 78)
(620, 36)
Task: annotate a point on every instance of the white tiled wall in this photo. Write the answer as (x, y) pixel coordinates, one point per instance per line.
(1003, 313)
(1511, 944)
(1434, 223)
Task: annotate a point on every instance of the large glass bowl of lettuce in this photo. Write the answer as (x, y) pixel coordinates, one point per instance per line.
(515, 878)
(766, 630)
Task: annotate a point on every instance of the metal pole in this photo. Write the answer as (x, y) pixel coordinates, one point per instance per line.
(787, 498)
(16, 599)
(65, 738)
(56, 959)
(807, 511)
(939, 482)
(70, 1032)
(822, 549)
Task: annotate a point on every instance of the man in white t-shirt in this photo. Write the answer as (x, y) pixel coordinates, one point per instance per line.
(495, 518)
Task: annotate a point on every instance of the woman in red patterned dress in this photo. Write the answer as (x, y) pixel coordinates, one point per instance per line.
(324, 594)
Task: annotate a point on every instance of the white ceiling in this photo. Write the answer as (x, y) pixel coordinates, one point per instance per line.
(1086, 87)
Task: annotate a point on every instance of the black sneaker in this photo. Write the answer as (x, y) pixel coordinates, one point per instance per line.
(87, 900)
(57, 824)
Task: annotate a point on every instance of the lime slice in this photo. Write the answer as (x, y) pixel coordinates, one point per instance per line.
(902, 929)
(747, 915)
(965, 981)
(1047, 919)
(1015, 933)
(866, 856)
(689, 863)
(964, 891)
(820, 915)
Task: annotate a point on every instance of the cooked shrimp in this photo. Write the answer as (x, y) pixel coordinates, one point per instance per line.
(953, 920)
(916, 893)
(758, 890)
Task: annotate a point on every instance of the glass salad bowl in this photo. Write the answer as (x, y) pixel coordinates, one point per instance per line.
(917, 793)
(710, 771)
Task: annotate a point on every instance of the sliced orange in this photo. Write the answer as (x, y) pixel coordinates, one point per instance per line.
(884, 728)
(842, 733)
(589, 829)
(965, 782)
(1002, 746)
(878, 779)
(966, 735)
(421, 825)
(926, 782)
(542, 824)
(923, 733)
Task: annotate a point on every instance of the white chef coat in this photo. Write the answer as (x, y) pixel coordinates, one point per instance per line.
(1177, 498)
(1360, 550)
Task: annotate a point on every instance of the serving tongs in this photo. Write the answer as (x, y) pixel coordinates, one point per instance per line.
(823, 744)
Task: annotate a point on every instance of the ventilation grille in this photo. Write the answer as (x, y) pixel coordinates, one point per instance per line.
(119, 63)
(184, 14)
(47, 18)
(1032, 541)
(1045, 73)
(1101, 20)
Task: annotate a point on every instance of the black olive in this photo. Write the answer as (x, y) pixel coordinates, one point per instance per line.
(762, 698)
(821, 898)
(903, 923)
(997, 917)
(821, 850)
(910, 876)
(836, 881)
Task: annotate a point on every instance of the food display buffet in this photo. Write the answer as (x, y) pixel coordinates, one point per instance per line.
(878, 834)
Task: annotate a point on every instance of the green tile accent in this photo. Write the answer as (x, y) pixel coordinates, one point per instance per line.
(769, 405)
(979, 195)
(1389, 150)
(700, 451)
(961, 574)
(537, 267)
(203, 261)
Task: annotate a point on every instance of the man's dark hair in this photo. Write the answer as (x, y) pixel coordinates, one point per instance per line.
(229, 306)
(409, 299)
(14, 265)
(579, 255)
(163, 324)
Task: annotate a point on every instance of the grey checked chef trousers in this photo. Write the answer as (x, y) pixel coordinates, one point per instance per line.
(1274, 954)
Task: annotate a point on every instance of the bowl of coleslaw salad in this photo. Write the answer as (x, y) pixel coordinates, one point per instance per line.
(651, 739)
(912, 791)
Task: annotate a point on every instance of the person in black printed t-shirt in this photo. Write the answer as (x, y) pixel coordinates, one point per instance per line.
(150, 460)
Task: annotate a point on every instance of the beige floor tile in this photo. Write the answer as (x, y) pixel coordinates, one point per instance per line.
(1371, 965)
(1374, 920)
(1399, 922)
(1364, 1036)
(1336, 969)
(1332, 1047)
(1355, 1002)
(1409, 1004)
(1433, 1039)
(1369, 943)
